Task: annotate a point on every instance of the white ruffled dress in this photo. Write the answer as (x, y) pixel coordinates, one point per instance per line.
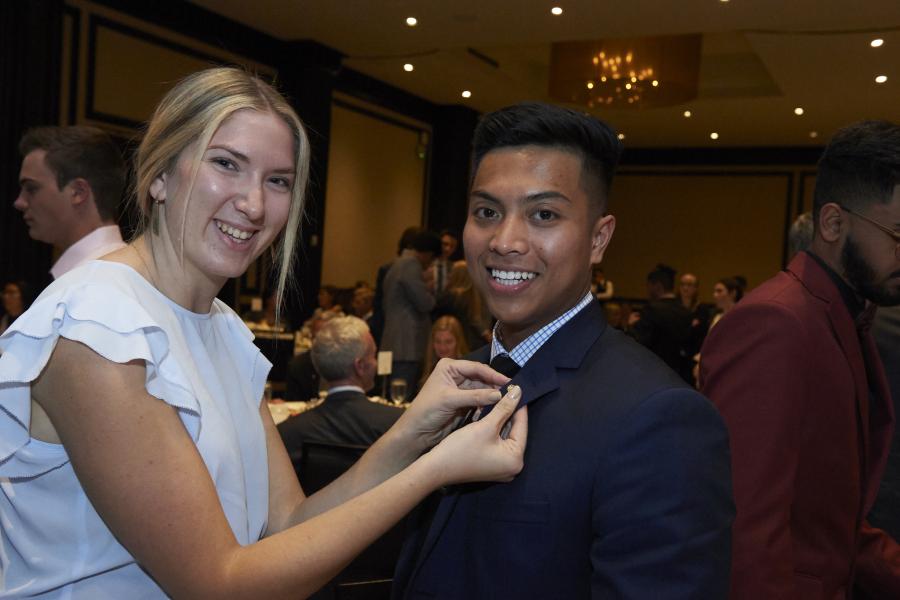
(52, 542)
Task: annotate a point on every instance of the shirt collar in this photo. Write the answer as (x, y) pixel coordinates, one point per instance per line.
(854, 303)
(100, 241)
(527, 347)
(345, 388)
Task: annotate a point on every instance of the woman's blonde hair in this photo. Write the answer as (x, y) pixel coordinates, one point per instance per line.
(191, 113)
(459, 283)
(445, 323)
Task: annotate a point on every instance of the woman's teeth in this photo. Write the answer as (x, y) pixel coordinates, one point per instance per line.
(237, 234)
(511, 277)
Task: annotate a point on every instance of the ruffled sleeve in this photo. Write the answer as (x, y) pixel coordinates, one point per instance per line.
(106, 317)
(251, 362)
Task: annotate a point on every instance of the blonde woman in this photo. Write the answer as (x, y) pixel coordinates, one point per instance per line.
(136, 456)
(447, 340)
(464, 302)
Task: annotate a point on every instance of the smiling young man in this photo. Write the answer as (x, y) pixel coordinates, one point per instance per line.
(626, 487)
(794, 370)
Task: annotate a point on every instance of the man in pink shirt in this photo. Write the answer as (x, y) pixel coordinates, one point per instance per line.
(71, 181)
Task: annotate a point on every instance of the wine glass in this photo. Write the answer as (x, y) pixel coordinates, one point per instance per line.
(398, 391)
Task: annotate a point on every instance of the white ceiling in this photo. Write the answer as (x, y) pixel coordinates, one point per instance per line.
(760, 58)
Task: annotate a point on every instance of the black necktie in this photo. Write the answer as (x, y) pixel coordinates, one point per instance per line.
(502, 363)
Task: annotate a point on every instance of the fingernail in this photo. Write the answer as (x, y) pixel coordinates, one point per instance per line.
(514, 392)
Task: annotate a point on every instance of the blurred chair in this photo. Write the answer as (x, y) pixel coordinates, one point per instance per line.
(370, 575)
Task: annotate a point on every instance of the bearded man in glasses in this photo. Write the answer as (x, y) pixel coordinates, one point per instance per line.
(796, 375)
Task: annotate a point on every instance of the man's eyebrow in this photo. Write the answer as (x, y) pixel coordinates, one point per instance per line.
(25, 180)
(533, 197)
(548, 195)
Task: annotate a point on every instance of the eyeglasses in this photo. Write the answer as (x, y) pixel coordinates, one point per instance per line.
(891, 232)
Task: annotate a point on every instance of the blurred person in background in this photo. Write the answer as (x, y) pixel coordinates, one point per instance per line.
(800, 235)
(343, 354)
(726, 293)
(464, 302)
(17, 297)
(447, 340)
(602, 288)
(664, 324)
(377, 321)
(408, 303)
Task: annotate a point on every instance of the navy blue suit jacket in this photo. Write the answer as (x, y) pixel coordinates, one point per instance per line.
(626, 490)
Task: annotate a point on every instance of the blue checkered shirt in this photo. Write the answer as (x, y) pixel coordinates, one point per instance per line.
(526, 349)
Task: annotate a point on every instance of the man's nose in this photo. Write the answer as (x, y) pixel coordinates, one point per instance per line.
(510, 236)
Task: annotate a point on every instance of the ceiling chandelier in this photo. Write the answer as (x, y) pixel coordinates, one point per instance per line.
(626, 73)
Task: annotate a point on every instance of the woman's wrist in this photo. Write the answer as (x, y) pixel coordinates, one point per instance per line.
(398, 445)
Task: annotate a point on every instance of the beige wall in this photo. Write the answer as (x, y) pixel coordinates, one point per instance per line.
(376, 182)
(712, 224)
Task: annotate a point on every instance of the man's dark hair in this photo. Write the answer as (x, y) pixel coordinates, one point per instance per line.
(736, 284)
(85, 152)
(538, 124)
(859, 167)
(427, 241)
(406, 238)
(663, 275)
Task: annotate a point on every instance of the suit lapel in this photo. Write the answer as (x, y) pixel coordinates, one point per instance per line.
(875, 422)
(566, 349)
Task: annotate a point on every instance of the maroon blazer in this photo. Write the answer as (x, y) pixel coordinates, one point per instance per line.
(787, 370)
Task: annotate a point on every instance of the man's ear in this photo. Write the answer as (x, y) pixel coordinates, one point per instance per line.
(601, 234)
(80, 190)
(358, 366)
(831, 222)
(158, 189)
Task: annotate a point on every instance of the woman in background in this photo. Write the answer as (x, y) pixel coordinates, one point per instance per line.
(726, 293)
(446, 341)
(463, 301)
(17, 297)
(136, 454)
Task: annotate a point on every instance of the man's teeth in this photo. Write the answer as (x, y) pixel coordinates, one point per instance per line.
(237, 234)
(511, 277)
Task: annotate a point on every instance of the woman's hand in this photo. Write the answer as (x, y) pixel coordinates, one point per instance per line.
(454, 387)
(480, 451)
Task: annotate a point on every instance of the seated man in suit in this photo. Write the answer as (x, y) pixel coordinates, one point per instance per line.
(343, 353)
(626, 487)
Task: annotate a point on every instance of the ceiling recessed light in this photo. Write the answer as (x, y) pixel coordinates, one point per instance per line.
(412, 21)
(655, 83)
(798, 111)
(408, 67)
(556, 10)
(621, 136)
(687, 114)
(466, 94)
(714, 136)
(881, 79)
(627, 86)
(876, 43)
(813, 134)
(590, 85)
